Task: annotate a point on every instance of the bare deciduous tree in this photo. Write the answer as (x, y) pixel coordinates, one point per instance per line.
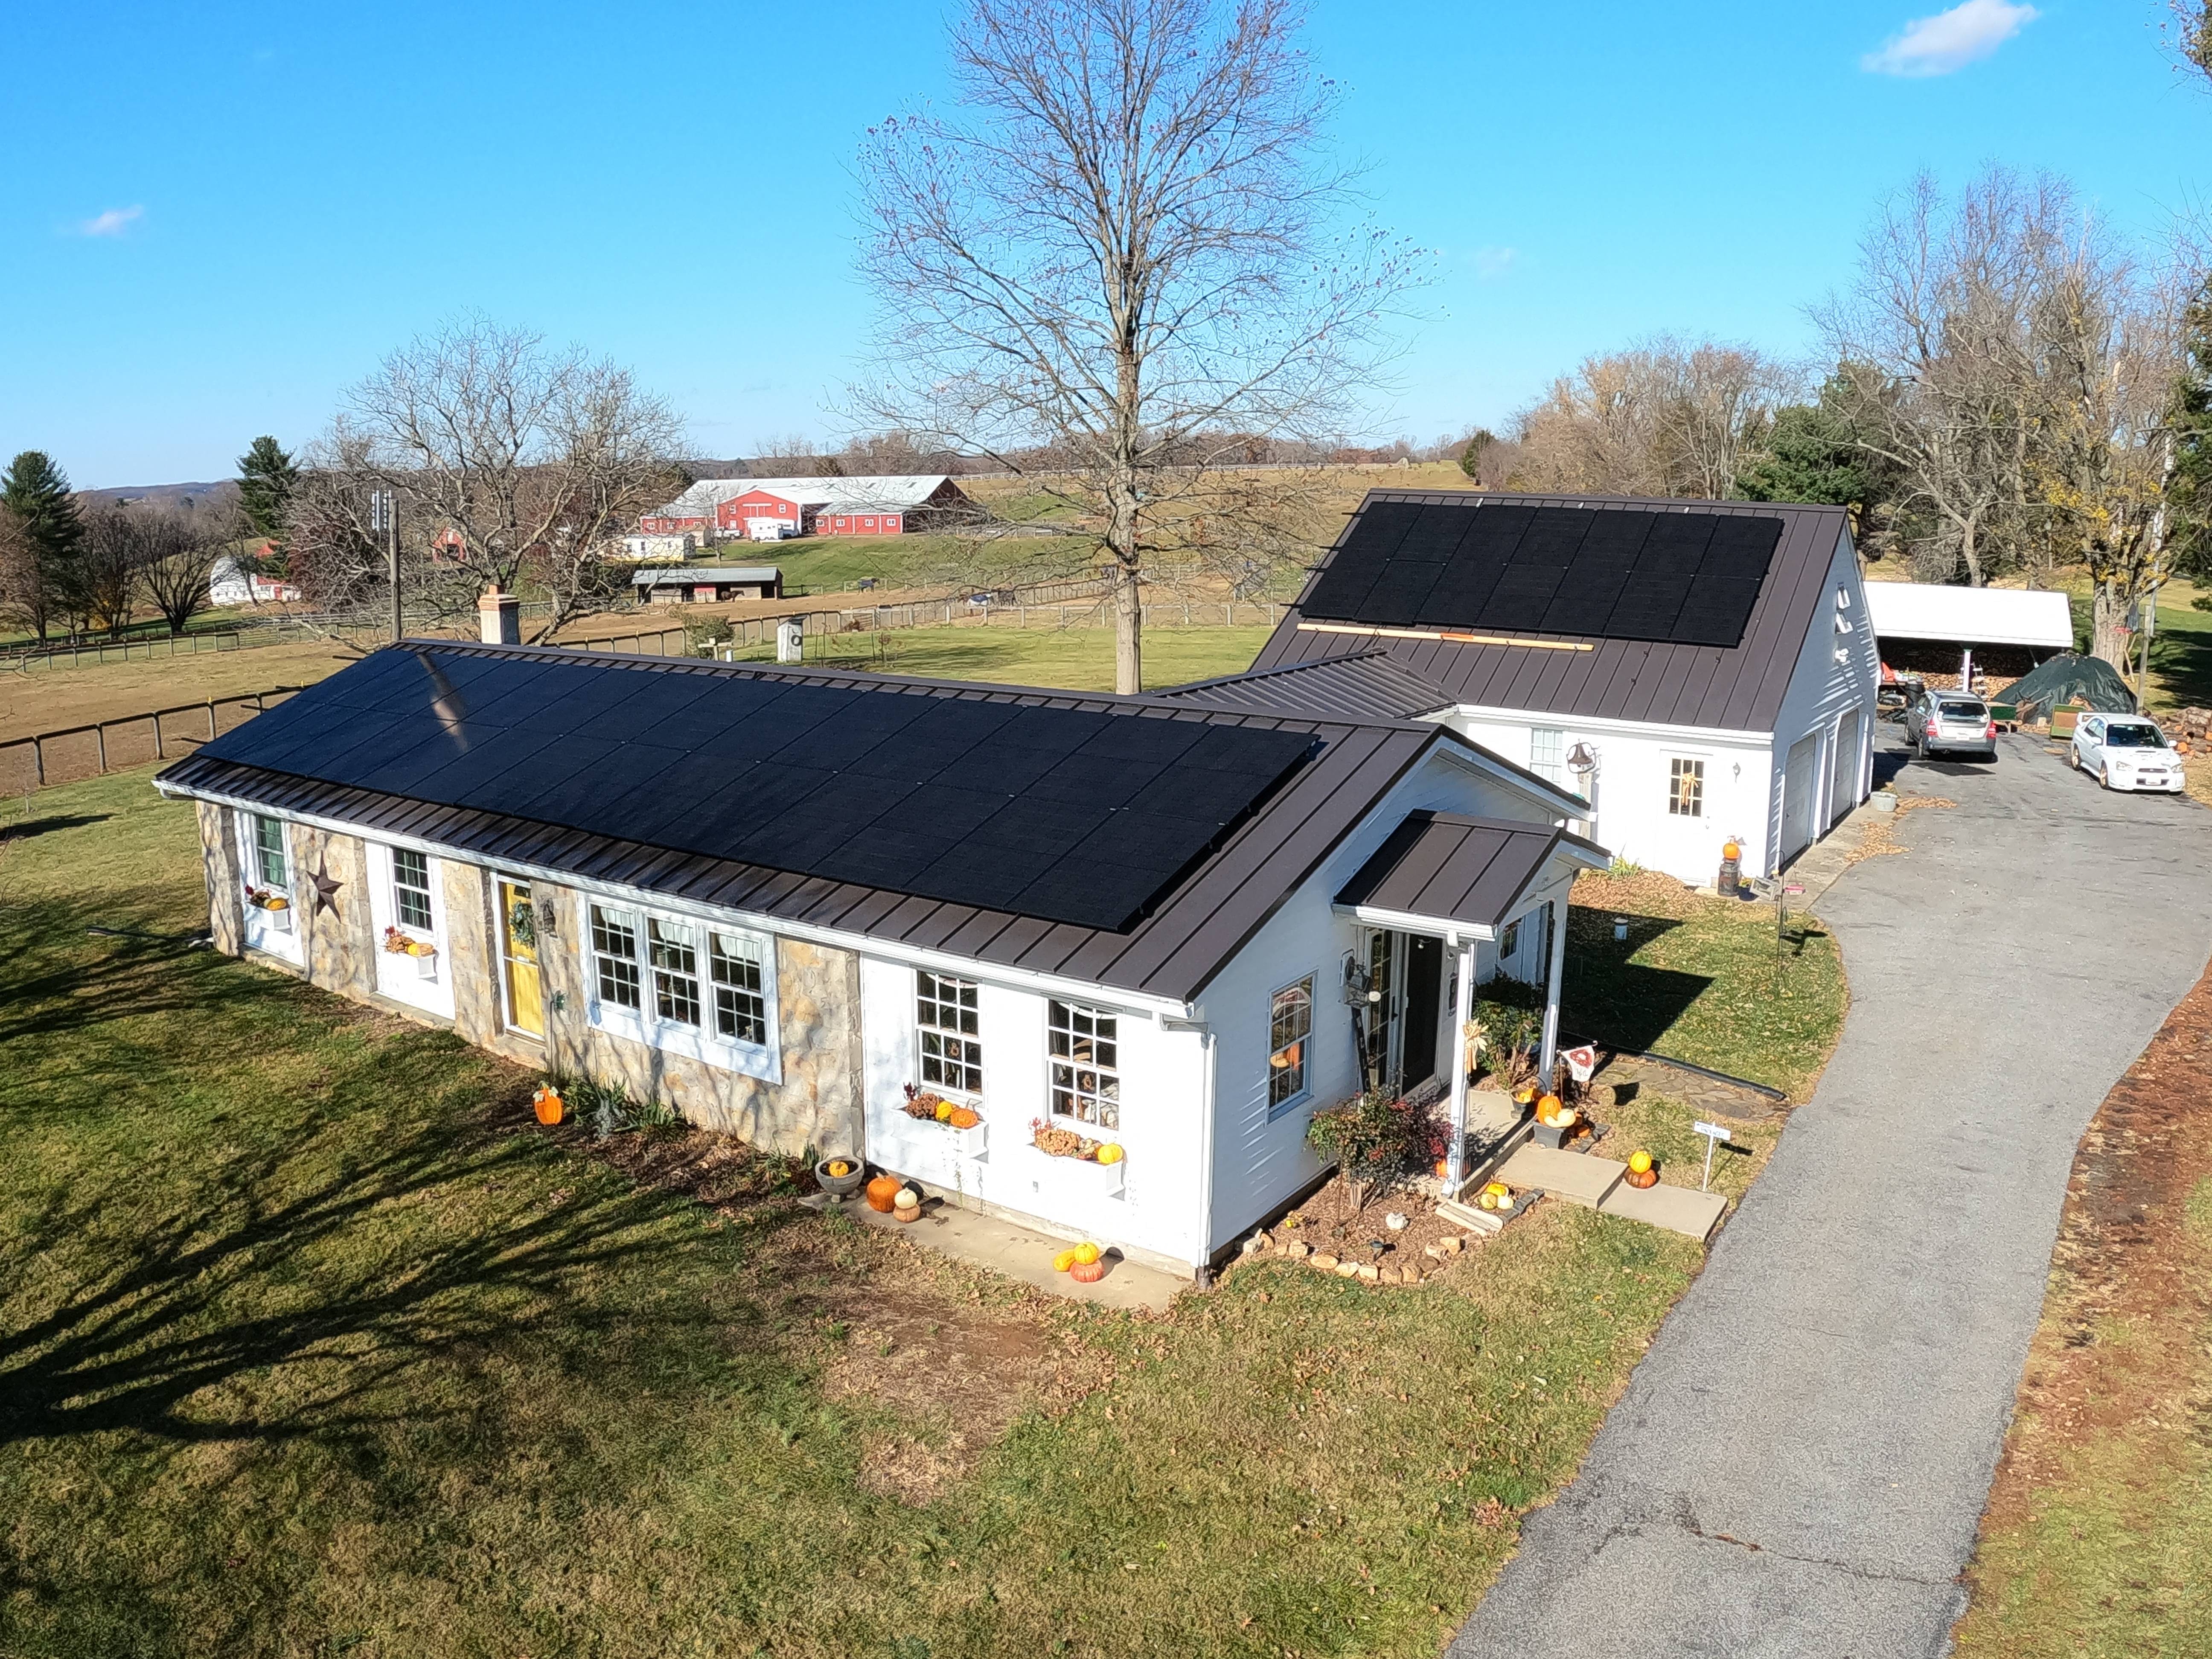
(536, 458)
(1664, 417)
(1123, 245)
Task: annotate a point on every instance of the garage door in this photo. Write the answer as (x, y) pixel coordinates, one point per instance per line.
(1843, 781)
(1800, 779)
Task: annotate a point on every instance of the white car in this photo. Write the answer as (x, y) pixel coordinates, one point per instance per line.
(2126, 751)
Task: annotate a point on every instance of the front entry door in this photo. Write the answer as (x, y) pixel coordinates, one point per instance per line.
(1417, 1038)
(1406, 971)
(518, 948)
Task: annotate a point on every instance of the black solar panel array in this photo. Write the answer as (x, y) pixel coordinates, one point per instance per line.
(1065, 815)
(1677, 578)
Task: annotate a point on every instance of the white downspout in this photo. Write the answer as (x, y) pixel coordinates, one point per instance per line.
(1204, 1266)
(1462, 1006)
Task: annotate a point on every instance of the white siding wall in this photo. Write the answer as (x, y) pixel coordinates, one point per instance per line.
(1160, 1208)
(1631, 817)
(1260, 1163)
(1822, 692)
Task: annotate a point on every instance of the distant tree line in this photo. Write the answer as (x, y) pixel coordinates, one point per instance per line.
(75, 568)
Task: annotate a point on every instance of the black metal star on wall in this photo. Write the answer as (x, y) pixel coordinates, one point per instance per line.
(326, 891)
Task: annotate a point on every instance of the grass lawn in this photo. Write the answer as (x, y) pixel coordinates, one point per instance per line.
(1702, 980)
(311, 1341)
(1080, 658)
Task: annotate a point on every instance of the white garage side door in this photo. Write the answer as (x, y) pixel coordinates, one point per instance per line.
(1799, 781)
(1844, 783)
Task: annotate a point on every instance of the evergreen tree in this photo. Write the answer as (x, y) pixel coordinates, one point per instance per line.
(1470, 459)
(37, 492)
(265, 477)
(2189, 422)
(1813, 453)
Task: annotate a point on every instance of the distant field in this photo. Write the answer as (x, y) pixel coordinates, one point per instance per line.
(1080, 660)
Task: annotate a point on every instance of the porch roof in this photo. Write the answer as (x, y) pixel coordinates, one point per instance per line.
(1440, 871)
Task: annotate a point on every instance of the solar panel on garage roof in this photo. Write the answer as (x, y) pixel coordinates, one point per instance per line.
(1067, 815)
(1678, 578)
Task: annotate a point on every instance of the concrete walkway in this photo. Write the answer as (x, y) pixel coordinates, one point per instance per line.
(1799, 1465)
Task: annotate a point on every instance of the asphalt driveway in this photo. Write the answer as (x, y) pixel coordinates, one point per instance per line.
(1799, 1464)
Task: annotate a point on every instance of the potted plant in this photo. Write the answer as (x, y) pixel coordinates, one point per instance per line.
(423, 953)
(274, 905)
(1078, 1162)
(960, 1119)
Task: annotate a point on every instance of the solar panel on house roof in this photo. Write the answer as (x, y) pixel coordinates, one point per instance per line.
(1067, 815)
(1674, 577)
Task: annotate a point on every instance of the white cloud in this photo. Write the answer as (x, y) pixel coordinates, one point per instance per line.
(1950, 40)
(1490, 262)
(114, 223)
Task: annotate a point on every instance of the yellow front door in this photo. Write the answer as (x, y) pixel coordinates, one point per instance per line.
(517, 936)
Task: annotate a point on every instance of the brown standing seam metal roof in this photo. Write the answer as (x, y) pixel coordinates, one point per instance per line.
(1452, 868)
(1368, 685)
(1738, 689)
(1171, 953)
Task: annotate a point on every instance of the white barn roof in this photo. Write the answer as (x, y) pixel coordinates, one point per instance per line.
(1969, 616)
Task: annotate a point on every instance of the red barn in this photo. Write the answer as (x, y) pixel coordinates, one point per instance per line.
(767, 509)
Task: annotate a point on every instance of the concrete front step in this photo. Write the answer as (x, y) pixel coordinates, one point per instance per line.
(1677, 1209)
(1578, 1178)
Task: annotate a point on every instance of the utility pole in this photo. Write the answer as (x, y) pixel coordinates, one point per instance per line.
(384, 514)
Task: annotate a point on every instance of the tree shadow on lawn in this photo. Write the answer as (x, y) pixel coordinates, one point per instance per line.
(1609, 998)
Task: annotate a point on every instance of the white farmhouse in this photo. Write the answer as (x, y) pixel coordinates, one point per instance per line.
(1698, 671)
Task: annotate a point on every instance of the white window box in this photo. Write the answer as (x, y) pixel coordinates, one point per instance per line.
(1074, 1179)
(277, 921)
(970, 1144)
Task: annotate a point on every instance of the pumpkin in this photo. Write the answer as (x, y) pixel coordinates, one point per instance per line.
(1111, 1152)
(1524, 1094)
(548, 1105)
(1548, 1110)
(1498, 1190)
(944, 1111)
(1063, 1261)
(1639, 1162)
(906, 1199)
(1086, 1253)
(839, 1168)
(1087, 1272)
(883, 1191)
(907, 1213)
(964, 1117)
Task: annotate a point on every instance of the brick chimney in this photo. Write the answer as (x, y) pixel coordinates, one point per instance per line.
(499, 617)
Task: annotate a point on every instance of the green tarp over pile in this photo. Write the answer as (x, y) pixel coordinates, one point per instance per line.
(2090, 681)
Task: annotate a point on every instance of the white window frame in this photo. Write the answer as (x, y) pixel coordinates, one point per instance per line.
(1105, 1091)
(974, 1039)
(1555, 769)
(1291, 1103)
(645, 1024)
(428, 929)
(251, 824)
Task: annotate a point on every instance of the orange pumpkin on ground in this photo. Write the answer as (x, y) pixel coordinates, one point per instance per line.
(548, 1105)
(882, 1193)
(1087, 1272)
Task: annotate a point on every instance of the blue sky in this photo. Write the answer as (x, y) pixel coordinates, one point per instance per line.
(221, 215)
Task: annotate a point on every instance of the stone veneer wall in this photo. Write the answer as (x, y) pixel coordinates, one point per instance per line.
(818, 1103)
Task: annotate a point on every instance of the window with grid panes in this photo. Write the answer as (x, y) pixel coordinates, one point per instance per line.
(1547, 753)
(1290, 1027)
(270, 865)
(410, 888)
(1686, 788)
(675, 971)
(740, 1009)
(1085, 1067)
(951, 1048)
(614, 956)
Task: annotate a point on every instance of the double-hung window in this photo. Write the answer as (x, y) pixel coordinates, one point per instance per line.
(614, 957)
(1547, 753)
(675, 972)
(410, 888)
(1290, 1028)
(1686, 788)
(271, 868)
(1086, 1064)
(740, 1006)
(945, 1016)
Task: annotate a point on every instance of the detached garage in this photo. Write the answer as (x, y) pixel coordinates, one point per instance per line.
(1698, 671)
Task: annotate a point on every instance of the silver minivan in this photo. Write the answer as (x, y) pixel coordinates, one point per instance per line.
(1951, 723)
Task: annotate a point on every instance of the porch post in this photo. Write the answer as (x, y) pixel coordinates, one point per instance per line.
(1556, 916)
(1462, 1005)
